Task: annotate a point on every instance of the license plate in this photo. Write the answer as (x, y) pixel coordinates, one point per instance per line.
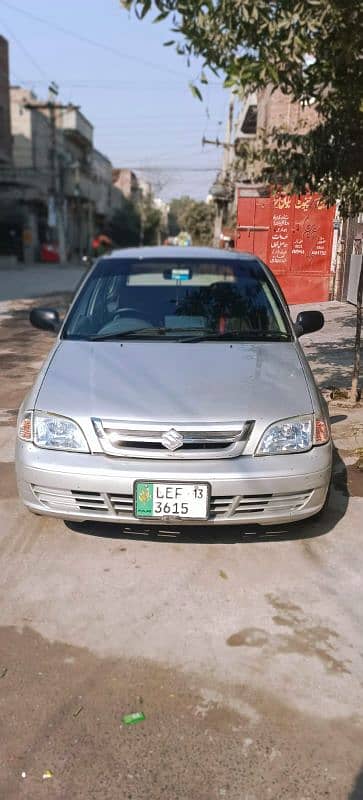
(178, 500)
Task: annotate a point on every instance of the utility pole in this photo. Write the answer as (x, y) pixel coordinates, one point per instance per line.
(217, 143)
(227, 161)
(56, 193)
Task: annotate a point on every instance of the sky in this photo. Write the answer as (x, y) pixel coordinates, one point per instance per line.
(133, 89)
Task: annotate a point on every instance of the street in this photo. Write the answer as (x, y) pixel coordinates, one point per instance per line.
(243, 648)
(40, 278)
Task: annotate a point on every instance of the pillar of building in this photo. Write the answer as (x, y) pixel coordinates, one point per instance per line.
(30, 237)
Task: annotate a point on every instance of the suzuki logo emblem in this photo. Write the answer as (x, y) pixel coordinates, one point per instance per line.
(172, 439)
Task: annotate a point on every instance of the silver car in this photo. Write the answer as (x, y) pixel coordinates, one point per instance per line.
(176, 390)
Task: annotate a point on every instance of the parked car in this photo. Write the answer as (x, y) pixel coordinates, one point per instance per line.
(176, 390)
(49, 253)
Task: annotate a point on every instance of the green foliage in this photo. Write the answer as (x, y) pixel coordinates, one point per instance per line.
(178, 208)
(124, 226)
(151, 221)
(195, 91)
(194, 216)
(311, 50)
(134, 224)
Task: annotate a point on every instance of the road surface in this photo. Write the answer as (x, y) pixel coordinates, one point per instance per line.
(244, 649)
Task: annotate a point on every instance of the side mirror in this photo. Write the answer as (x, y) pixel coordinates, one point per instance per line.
(308, 322)
(47, 319)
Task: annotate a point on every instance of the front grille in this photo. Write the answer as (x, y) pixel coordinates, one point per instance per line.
(121, 506)
(150, 440)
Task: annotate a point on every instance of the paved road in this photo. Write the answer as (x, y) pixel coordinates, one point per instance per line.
(36, 280)
(244, 650)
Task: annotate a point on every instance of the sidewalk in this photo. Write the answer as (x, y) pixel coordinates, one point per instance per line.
(330, 354)
(330, 351)
(35, 280)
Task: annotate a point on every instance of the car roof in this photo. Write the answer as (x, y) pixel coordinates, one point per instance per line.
(166, 251)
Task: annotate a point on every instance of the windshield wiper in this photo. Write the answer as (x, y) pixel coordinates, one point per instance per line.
(121, 335)
(136, 331)
(240, 336)
(206, 336)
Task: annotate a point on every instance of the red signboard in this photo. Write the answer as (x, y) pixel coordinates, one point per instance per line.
(293, 236)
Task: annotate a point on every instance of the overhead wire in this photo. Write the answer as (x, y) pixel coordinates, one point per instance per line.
(89, 41)
(25, 50)
(111, 84)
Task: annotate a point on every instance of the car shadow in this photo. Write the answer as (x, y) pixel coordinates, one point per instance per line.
(233, 534)
(357, 790)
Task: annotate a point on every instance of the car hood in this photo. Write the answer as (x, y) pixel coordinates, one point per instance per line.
(175, 382)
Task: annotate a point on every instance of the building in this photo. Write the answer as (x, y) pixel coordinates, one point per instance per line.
(145, 187)
(5, 132)
(8, 238)
(126, 181)
(23, 191)
(134, 187)
(262, 113)
(102, 185)
(55, 187)
(76, 179)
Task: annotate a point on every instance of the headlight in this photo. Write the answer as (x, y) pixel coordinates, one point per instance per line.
(52, 432)
(295, 435)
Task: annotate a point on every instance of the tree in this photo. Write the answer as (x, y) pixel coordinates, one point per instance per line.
(124, 225)
(150, 221)
(354, 389)
(193, 216)
(135, 223)
(177, 210)
(312, 51)
(198, 221)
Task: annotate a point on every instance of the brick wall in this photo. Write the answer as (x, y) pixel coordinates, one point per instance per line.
(276, 110)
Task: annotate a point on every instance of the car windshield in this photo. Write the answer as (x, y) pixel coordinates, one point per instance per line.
(177, 300)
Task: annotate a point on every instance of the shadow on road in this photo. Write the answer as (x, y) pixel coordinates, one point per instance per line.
(233, 534)
(357, 791)
(331, 362)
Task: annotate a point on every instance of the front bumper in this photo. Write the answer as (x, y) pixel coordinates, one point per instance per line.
(263, 490)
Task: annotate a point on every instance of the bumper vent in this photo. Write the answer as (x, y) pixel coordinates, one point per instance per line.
(95, 504)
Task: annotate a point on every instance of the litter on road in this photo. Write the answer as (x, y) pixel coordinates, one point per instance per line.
(47, 774)
(78, 711)
(132, 719)
(3, 672)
